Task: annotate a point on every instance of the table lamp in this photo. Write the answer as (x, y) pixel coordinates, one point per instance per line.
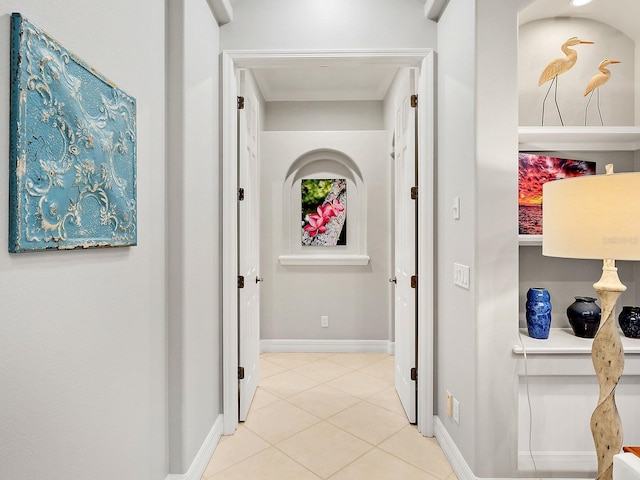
(598, 217)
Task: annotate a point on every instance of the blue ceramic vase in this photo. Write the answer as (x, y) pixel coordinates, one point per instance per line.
(629, 320)
(584, 317)
(538, 313)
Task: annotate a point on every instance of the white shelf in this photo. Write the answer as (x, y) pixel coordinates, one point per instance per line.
(579, 138)
(530, 240)
(563, 341)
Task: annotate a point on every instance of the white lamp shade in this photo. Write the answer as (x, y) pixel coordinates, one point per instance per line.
(595, 216)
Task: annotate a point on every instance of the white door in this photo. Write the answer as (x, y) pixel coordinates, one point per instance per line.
(248, 246)
(405, 308)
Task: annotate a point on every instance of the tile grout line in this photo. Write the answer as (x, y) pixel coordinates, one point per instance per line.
(325, 420)
(360, 400)
(373, 446)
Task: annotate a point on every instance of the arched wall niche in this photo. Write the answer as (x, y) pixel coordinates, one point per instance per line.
(325, 163)
(539, 42)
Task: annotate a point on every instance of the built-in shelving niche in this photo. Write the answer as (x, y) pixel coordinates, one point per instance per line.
(556, 375)
(597, 141)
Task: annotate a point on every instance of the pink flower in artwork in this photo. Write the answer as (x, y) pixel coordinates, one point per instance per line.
(322, 213)
(315, 226)
(333, 209)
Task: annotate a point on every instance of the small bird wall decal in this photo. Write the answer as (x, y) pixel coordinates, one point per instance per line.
(595, 83)
(558, 67)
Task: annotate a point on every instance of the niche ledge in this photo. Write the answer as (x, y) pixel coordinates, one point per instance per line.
(323, 259)
(530, 240)
(563, 341)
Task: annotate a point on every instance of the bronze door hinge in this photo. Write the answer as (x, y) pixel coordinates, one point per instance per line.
(240, 373)
(414, 193)
(414, 281)
(414, 101)
(414, 374)
(240, 281)
(240, 103)
(240, 194)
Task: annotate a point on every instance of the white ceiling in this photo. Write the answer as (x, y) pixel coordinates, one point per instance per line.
(623, 15)
(329, 80)
(326, 81)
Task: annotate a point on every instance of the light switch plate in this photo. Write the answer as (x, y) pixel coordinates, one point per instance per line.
(461, 275)
(456, 411)
(456, 208)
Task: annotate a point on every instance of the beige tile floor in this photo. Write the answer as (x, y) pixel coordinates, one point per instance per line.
(329, 416)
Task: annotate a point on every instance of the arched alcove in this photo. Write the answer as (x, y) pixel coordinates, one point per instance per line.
(324, 164)
(540, 42)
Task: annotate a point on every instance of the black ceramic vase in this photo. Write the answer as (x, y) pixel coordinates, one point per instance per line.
(584, 317)
(629, 320)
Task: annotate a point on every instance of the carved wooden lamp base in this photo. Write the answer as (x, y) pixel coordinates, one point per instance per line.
(607, 356)
(596, 217)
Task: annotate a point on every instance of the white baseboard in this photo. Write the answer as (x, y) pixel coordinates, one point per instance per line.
(450, 449)
(464, 472)
(561, 462)
(326, 346)
(199, 464)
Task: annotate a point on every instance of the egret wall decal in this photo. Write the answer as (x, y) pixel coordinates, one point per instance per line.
(558, 67)
(595, 83)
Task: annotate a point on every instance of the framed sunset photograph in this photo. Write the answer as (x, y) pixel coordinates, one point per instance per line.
(533, 172)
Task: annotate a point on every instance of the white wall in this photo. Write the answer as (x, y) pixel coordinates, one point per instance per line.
(497, 234)
(562, 402)
(294, 297)
(319, 115)
(332, 24)
(456, 170)
(193, 232)
(82, 336)
(477, 150)
(107, 367)
(478, 367)
(328, 24)
(539, 43)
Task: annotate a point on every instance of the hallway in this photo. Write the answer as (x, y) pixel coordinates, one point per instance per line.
(327, 416)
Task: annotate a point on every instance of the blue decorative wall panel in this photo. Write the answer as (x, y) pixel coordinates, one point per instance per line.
(72, 150)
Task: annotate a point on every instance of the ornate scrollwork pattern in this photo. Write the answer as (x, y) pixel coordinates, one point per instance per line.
(73, 149)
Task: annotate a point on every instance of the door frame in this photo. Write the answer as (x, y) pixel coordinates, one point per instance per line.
(424, 60)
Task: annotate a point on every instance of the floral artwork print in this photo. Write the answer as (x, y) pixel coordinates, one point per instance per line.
(324, 213)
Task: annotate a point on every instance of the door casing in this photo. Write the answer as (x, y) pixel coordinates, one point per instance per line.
(424, 60)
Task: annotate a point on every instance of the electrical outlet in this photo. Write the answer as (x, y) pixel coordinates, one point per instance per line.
(461, 275)
(324, 321)
(449, 403)
(456, 411)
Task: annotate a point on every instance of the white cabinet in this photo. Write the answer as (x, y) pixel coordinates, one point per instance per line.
(556, 377)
